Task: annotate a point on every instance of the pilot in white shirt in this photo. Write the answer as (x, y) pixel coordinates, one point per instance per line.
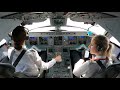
(89, 68)
(31, 63)
(101, 48)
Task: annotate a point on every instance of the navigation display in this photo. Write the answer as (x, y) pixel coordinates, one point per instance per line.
(88, 40)
(33, 40)
(82, 39)
(72, 40)
(58, 40)
(43, 40)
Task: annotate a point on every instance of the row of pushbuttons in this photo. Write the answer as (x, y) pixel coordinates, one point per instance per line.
(62, 33)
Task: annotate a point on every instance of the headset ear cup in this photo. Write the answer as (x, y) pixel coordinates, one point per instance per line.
(27, 37)
(99, 48)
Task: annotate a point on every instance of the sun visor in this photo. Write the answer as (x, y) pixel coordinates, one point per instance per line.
(3, 41)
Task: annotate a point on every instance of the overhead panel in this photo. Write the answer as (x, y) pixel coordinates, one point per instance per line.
(58, 19)
(17, 15)
(89, 16)
(27, 17)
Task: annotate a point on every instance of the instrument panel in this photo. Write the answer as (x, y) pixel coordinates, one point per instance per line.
(59, 40)
(61, 69)
(59, 45)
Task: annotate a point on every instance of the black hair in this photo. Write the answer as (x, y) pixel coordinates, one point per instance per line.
(19, 36)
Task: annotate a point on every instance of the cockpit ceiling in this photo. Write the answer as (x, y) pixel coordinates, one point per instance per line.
(57, 16)
(57, 19)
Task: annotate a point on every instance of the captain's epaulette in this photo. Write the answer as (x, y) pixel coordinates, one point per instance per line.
(33, 50)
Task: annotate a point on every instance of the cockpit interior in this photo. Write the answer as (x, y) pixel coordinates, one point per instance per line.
(65, 33)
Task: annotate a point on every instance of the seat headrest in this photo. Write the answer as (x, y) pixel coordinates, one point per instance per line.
(6, 70)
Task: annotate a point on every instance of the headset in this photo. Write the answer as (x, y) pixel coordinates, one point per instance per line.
(27, 34)
(99, 47)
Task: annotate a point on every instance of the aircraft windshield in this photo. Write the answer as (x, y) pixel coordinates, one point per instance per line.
(38, 24)
(70, 26)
